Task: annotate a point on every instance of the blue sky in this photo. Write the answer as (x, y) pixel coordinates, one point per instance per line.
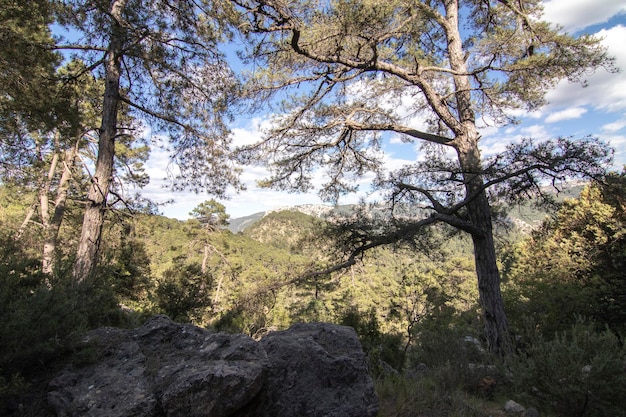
(598, 110)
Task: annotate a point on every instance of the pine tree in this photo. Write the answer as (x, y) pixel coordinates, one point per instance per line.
(162, 61)
(427, 72)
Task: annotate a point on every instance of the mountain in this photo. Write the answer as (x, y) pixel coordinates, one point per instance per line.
(315, 210)
(525, 217)
(240, 224)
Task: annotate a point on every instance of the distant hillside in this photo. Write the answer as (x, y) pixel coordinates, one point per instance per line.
(315, 210)
(528, 216)
(242, 223)
(525, 217)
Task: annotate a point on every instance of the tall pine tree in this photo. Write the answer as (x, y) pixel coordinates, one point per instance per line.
(427, 72)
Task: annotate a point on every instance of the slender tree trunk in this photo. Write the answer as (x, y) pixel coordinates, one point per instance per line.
(216, 297)
(37, 199)
(29, 215)
(44, 204)
(205, 258)
(89, 244)
(54, 224)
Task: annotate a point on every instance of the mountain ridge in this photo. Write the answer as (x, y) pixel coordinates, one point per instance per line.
(525, 217)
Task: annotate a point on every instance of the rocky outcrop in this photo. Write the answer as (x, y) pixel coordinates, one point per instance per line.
(315, 370)
(169, 369)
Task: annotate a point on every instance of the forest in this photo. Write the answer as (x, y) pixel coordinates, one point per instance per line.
(474, 280)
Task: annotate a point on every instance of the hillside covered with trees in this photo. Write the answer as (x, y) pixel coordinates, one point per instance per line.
(459, 302)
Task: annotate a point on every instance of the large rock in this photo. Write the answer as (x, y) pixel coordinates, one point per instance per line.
(167, 369)
(315, 370)
(162, 368)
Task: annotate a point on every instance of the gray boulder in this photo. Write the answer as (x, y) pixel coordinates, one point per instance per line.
(316, 369)
(167, 369)
(162, 368)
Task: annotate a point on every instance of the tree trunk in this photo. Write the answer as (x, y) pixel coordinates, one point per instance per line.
(478, 208)
(29, 215)
(44, 205)
(479, 213)
(494, 316)
(89, 244)
(205, 258)
(54, 224)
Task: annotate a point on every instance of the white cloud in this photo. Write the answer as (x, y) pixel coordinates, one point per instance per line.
(605, 90)
(251, 133)
(537, 132)
(614, 126)
(575, 15)
(495, 141)
(567, 114)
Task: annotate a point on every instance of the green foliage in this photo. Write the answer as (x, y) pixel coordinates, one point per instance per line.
(411, 310)
(126, 266)
(445, 375)
(277, 229)
(400, 396)
(183, 292)
(574, 264)
(190, 66)
(37, 323)
(382, 349)
(27, 65)
(211, 213)
(576, 373)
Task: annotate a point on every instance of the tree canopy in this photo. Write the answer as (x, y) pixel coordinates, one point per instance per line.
(172, 75)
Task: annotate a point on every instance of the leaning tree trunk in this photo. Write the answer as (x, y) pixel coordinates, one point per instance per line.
(93, 220)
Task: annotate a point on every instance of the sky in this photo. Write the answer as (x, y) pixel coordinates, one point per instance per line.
(599, 109)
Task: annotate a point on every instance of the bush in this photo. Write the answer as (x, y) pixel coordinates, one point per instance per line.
(402, 396)
(455, 362)
(183, 293)
(381, 349)
(577, 373)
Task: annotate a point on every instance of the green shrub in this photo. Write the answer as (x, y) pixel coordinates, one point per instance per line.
(455, 362)
(577, 373)
(381, 348)
(402, 396)
(183, 293)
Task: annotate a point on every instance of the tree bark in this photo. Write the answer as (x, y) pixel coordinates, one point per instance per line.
(89, 244)
(479, 215)
(29, 215)
(54, 224)
(44, 208)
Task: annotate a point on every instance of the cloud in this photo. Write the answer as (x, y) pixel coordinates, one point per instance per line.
(251, 133)
(495, 141)
(574, 15)
(614, 126)
(567, 114)
(604, 90)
